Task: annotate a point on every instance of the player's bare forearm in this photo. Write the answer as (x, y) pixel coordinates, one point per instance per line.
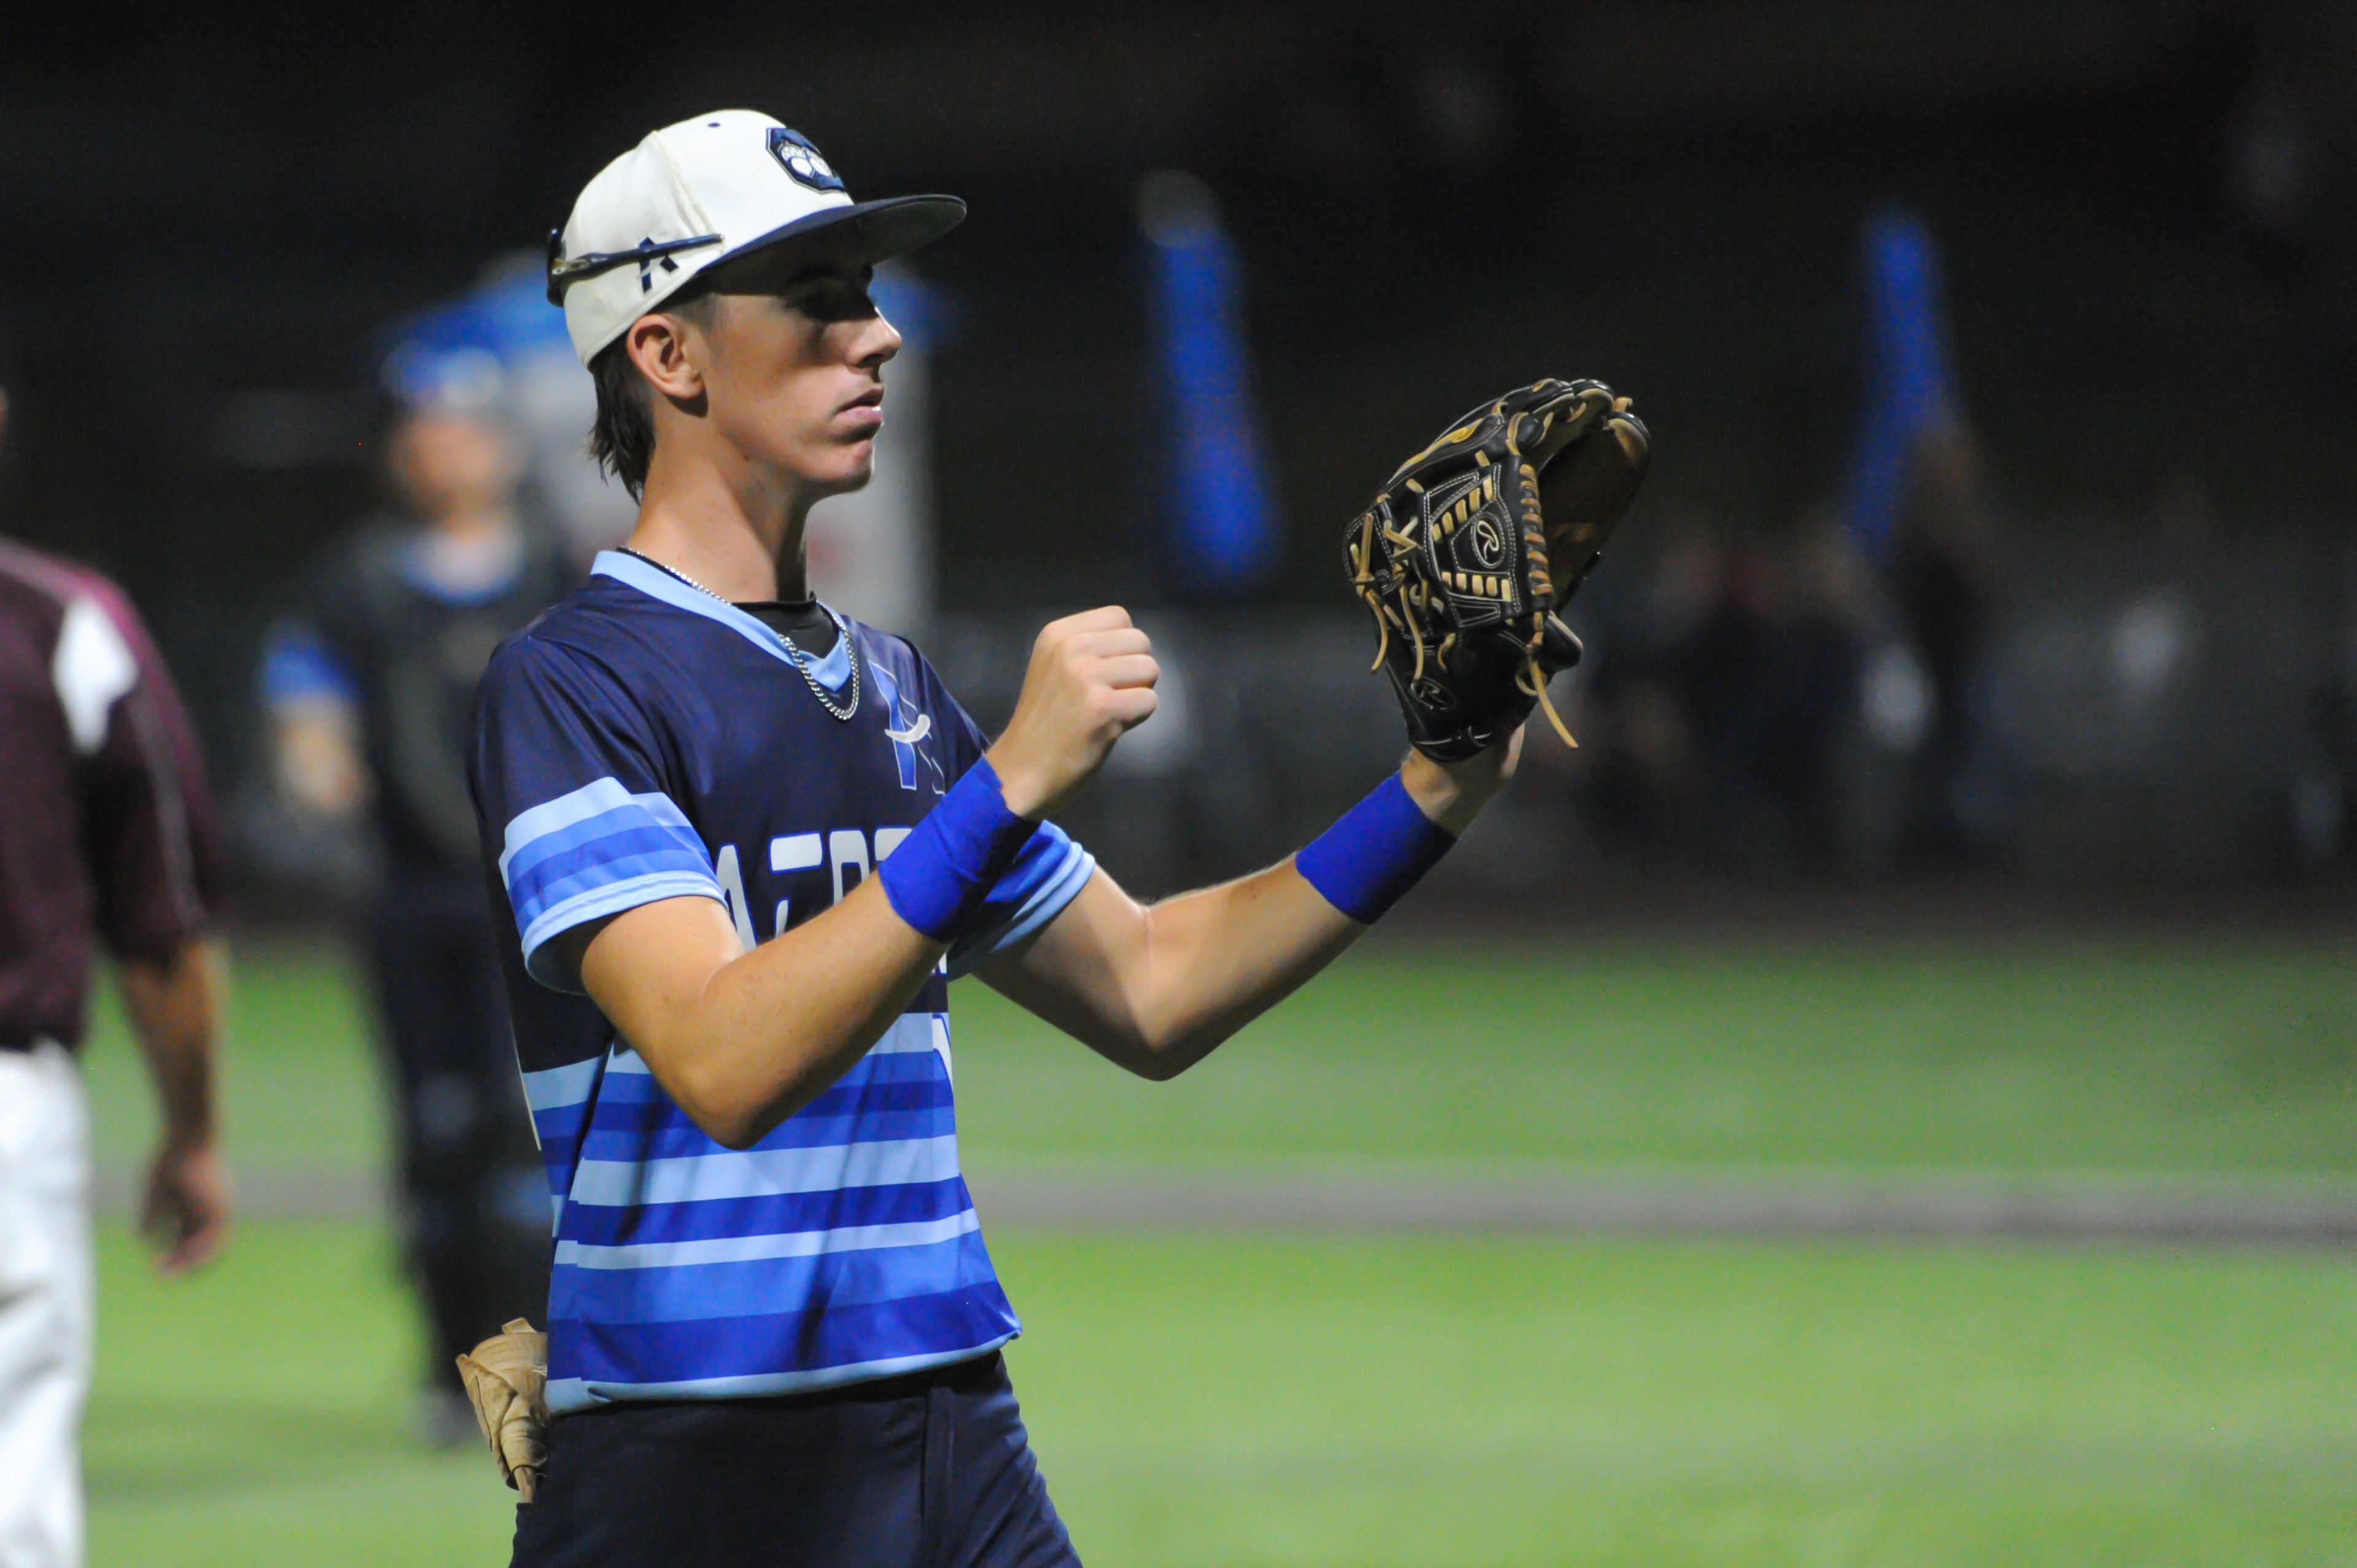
(176, 1005)
(742, 1040)
(1157, 987)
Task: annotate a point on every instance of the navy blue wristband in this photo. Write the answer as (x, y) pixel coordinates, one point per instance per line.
(939, 877)
(1378, 850)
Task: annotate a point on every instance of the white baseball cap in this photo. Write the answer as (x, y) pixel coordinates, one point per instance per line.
(706, 190)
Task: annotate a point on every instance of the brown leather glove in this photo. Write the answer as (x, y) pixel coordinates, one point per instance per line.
(1477, 542)
(507, 1378)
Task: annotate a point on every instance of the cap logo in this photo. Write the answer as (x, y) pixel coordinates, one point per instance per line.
(799, 158)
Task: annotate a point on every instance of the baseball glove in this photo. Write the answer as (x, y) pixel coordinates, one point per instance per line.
(507, 1378)
(1474, 544)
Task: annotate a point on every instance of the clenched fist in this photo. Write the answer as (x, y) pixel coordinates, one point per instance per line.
(1091, 682)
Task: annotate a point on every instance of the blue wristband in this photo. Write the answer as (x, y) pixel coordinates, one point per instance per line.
(1378, 850)
(942, 872)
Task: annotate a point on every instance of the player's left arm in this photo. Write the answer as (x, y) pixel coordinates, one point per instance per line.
(1156, 987)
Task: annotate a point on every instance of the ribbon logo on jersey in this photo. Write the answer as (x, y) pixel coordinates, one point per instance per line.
(908, 729)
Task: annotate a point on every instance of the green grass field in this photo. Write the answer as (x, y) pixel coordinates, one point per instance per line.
(1202, 1399)
(2191, 1057)
(1233, 1401)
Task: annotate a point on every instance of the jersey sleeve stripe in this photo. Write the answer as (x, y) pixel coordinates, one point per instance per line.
(597, 902)
(1056, 880)
(591, 799)
(621, 856)
(651, 816)
(1048, 899)
(598, 851)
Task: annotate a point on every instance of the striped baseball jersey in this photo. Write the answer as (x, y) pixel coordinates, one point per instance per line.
(646, 740)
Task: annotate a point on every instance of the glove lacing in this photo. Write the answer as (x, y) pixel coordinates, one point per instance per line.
(1531, 679)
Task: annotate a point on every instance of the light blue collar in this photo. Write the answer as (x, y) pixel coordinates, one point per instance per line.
(833, 671)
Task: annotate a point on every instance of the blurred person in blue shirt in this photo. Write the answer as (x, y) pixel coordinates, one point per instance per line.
(369, 687)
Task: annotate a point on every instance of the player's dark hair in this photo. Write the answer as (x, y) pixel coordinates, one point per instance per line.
(623, 438)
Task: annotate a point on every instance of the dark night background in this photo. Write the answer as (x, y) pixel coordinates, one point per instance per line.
(1432, 203)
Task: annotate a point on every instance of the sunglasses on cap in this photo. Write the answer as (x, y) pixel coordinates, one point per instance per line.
(564, 272)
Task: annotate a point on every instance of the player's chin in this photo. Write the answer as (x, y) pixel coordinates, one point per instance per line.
(847, 464)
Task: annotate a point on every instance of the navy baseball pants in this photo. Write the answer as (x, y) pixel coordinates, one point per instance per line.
(932, 1470)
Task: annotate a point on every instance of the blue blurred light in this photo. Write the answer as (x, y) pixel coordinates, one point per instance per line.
(458, 351)
(1225, 523)
(1909, 381)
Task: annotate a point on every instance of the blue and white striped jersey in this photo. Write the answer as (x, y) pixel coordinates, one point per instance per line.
(644, 740)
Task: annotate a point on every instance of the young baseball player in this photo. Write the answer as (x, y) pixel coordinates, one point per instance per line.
(746, 841)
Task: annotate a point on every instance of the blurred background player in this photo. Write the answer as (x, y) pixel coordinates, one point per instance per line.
(106, 830)
(369, 687)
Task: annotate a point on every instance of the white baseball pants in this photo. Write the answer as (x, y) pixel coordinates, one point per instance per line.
(47, 1290)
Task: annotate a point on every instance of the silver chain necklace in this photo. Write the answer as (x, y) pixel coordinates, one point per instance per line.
(802, 661)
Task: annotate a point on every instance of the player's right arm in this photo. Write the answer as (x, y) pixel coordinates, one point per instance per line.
(742, 1039)
(155, 861)
(175, 1001)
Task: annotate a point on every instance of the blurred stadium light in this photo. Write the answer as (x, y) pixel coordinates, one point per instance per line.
(1910, 374)
(1223, 526)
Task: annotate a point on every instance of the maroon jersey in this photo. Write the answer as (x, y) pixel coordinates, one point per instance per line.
(106, 829)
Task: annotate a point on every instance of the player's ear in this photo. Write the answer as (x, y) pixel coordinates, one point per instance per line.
(660, 346)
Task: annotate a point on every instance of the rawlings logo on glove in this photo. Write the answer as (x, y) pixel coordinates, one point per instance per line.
(1474, 545)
